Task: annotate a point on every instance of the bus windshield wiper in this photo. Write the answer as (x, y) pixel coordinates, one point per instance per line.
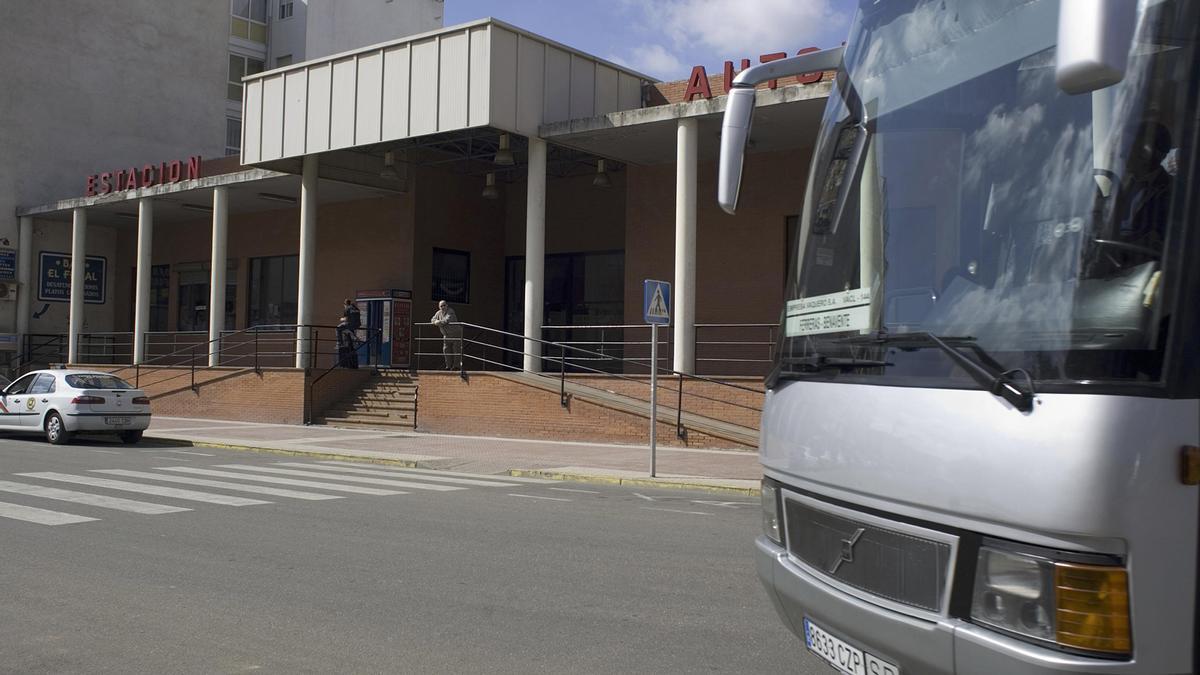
(989, 374)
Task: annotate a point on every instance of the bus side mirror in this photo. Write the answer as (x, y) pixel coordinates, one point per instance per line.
(735, 132)
(1094, 37)
(739, 111)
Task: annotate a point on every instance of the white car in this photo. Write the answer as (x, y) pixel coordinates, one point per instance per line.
(60, 403)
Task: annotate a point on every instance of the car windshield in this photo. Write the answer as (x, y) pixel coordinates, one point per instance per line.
(97, 381)
(958, 191)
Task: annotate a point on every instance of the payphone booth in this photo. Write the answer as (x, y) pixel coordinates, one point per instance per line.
(387, 320)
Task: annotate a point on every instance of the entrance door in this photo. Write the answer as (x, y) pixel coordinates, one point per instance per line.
(581, 290)
(193, 296)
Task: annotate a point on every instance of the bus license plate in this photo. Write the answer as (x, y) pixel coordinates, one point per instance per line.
(840, 655)
(116, 421)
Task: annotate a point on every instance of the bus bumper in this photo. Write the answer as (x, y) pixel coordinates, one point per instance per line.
(919, 647)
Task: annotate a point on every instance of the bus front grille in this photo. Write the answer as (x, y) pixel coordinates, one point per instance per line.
(883, 559)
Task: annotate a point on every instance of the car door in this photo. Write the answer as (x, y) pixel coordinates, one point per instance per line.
(13, 402)
(38, 400)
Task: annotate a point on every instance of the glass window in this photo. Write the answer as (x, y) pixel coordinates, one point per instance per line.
(274, 289)
(21, 385)
(96, 381)
(451, 275)
(1039, 230)
(43, 385)
(239, 67)
(285, 9)
(194, 284)
(233, 136)
(160, 292)
(249, 20)
(281, 61)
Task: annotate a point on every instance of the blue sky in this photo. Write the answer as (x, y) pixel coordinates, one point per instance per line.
(665, 38)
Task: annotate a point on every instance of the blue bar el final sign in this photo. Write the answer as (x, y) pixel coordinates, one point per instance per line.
(54, 278)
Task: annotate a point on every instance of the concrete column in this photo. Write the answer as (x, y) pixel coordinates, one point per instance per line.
(78, 262)
(216, 284)
(308, 260)
(141, 293)
(24, 279)
(535, 253)
(685, 247)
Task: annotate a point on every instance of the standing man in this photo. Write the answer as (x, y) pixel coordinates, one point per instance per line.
(447, 322)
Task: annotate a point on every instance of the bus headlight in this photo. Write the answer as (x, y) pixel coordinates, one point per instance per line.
(770, 511)
(1082, 607)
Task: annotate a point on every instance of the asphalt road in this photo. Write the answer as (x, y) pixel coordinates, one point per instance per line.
(518, 578)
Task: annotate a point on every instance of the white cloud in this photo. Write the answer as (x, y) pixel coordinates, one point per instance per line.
(745, 28)
(654, 60)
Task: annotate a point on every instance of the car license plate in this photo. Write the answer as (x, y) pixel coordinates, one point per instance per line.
(116, 421)
(841, 655)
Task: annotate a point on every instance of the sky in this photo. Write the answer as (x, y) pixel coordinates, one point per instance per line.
(665, 38)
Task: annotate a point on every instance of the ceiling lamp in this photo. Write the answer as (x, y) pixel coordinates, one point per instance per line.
(389, 166)
(489, 187)
(504, 156)
(601, 180)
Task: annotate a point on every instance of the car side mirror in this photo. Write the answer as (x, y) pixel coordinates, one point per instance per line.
(1094, 38)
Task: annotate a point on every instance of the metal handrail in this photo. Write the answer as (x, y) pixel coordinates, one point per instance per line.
(562, 349)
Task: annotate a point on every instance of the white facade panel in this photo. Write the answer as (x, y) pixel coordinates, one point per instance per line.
(583, 87)
(423, 96)
(453, 76)
(531, 74)
(395, 93)
(251, 123)
(606, 90)
(629, 92)
(272, 118)
(556, 102)
(341, 111)
(369, 95)
(482, 74)
(295, 107)
(320, 77)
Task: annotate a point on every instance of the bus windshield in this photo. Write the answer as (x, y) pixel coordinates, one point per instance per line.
(957, 191)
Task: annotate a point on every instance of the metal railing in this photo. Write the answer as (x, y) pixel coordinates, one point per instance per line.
(721, 348)
(489, 348)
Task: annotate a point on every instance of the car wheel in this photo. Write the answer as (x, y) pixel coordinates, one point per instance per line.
(131, 436)
(56, 432)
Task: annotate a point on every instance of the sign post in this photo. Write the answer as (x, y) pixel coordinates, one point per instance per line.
(656, 311)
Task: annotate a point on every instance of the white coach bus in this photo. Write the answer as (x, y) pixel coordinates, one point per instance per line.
(980, 435)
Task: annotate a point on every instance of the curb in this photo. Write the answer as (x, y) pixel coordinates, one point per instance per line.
(681, 484)
(406, 463)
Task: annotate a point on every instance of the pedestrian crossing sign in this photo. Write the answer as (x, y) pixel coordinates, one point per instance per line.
(656, 305)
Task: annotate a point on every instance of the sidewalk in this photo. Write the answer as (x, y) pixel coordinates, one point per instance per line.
(724, 470)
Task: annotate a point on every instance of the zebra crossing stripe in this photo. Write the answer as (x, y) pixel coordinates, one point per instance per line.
(384, 472)
(357, 489)
(103, 501)
(437, 472)
(349, 479)
(40, 516)
(176, 493)
(256, 489)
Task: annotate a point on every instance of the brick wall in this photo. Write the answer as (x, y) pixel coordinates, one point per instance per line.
(223, 393)
(487, 405)
(709, 399)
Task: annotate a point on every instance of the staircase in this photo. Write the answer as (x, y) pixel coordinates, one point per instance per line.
(387, 401)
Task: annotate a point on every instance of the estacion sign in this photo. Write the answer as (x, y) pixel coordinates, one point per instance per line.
(150, 174)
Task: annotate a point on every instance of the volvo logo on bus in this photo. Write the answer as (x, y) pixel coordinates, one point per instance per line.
(847, 553)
